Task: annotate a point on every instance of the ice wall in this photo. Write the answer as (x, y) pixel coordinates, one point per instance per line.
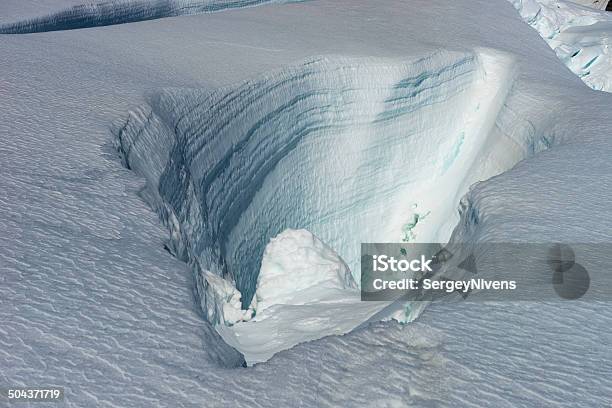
(123, 11)
(351, 149)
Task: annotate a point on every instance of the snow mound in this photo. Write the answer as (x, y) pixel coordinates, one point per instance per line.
(304, 291)
(328, 146)
(296, 268)
(123, 11)
(579, 35)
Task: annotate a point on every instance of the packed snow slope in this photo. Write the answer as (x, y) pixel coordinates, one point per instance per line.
(580, 36)
(91, 301)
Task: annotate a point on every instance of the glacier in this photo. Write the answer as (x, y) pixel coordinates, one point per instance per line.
(580, 36)
(92, 300)
(229, 169)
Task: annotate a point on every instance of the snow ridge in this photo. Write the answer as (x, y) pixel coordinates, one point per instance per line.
(124, 11)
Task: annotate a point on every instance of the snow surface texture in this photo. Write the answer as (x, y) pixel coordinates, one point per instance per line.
(89, 300)
(121, 12)
(598, 4)
(580, 36)
(230, 169)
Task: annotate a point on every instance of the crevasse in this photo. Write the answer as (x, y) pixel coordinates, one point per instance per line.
(350, 149)
(123, 11)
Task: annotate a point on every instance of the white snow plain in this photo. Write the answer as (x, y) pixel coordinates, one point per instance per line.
(92, 302)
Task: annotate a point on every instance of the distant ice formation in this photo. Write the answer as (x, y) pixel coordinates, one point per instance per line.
(580, 36)
(350, 149)
(598, 4)
(123, 11)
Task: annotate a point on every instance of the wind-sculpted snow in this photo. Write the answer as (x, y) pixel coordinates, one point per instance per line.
(91, 302)
(579, 35)
(327, 146)
(123, 11)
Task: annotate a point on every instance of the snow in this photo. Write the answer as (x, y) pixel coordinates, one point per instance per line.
(222, 301)
(229, 169)
(91, 301)
(598, 4)
(294, 263)
(120, 12)
(579, 35)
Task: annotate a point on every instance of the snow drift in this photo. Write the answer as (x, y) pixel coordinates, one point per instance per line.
(351, 149)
